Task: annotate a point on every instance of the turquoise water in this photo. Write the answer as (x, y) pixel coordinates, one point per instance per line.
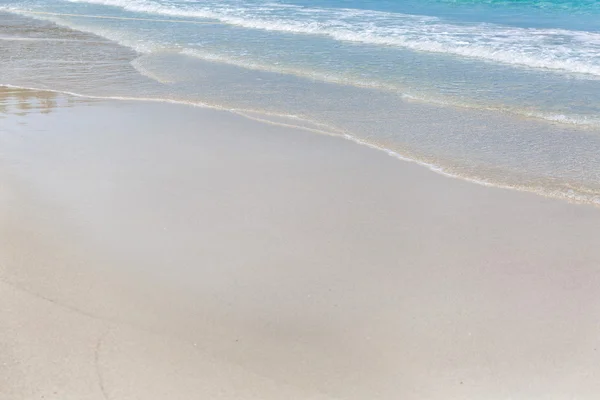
(498, 92)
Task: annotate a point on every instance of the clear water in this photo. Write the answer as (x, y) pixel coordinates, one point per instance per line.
(499, 92)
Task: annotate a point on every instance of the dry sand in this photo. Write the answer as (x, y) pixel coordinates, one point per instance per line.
(154, 251)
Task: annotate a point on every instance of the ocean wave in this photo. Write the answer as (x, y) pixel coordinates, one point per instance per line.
(578, 120)
(147, 47)
(551, 49)
(584, 121)
(329, 77)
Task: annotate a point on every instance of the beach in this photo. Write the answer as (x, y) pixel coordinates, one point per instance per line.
(163, 251)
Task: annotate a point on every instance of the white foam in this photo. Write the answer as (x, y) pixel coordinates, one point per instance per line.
(552, 49)
(578, 120)
(144, 45)
(289, 70)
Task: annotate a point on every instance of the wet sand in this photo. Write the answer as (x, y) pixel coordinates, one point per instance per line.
(156, 251)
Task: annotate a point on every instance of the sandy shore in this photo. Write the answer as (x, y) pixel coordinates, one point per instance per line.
(156, 251)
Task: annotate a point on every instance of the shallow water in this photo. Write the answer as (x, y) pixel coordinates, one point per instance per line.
(504, 93)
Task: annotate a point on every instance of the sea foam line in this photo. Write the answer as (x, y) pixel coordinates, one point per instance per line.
(582, 121)
(565, 195)
(559, 50)
(347, 80)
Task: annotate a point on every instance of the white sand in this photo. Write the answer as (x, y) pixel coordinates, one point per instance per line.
(153, 251)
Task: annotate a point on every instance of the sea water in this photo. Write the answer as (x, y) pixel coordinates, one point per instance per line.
(499, 92)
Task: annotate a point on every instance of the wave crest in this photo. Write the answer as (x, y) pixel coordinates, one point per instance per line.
(552, 49)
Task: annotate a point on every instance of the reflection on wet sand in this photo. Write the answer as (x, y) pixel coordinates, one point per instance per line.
(41, 54)
(21, 102)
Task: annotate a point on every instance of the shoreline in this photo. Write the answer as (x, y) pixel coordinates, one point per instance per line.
(570, 196)
(175, 252)
(482, 146)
